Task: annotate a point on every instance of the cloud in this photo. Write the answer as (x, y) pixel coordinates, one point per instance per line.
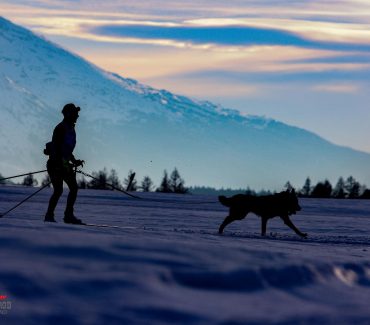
(308, 28)
(256, 62)
(338, 88)
(302, 78)
(223, 35)
(234, 46)
(355, 58)
(234, 33)
(177, 23)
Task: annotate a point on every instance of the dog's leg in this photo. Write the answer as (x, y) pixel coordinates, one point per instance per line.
(263, 226)
(290, 224)
(227, 220)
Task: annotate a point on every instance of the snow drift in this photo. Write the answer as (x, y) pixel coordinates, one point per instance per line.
(166, 263)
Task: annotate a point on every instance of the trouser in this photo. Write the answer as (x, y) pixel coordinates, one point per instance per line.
(58, 174)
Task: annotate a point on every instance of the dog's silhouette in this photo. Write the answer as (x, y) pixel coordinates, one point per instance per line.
(281, 205)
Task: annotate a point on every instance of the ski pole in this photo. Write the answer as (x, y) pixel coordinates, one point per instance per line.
(38, 172)
(27, 198)
(112, 186)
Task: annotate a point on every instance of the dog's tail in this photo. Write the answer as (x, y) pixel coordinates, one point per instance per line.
(224, 200)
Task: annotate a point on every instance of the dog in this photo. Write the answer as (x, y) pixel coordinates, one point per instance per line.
(281, 205)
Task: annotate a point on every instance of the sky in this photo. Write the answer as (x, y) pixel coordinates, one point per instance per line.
(305, 63)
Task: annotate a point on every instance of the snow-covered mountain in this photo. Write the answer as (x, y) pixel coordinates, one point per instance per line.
(126, 125)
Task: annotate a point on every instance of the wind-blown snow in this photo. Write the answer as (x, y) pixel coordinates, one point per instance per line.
(166, 264)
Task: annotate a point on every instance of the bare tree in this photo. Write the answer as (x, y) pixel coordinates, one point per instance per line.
(130, 182)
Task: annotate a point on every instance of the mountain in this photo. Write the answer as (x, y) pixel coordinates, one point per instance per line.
(126, 125)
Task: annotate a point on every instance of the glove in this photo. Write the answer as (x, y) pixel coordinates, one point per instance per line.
(67, 167)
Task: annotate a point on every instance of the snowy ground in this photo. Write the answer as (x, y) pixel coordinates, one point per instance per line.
(167, 264)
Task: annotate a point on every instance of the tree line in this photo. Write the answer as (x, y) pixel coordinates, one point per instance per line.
(207, 190)
(172, 183)
(344, 188)
(348, 188)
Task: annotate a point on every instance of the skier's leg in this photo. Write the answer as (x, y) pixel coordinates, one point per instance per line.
(69, 217)
(70, 179)
(57, 182)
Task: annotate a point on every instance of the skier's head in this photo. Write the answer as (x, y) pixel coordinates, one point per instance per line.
(70, 112)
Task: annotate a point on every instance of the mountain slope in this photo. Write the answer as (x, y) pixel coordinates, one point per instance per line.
(125, 125)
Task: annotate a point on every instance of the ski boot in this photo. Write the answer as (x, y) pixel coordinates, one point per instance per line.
(49, 217)
(69, 217)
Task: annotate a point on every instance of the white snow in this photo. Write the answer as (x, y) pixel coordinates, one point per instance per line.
(167, 264)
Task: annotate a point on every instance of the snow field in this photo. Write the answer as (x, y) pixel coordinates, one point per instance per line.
(167, 264)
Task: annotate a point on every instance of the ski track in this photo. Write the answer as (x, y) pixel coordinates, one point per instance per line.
(163, 262)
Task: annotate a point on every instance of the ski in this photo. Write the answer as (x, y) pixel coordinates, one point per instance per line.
(106, 226)
(95, 225)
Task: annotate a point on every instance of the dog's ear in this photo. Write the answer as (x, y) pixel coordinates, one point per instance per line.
(292, 190)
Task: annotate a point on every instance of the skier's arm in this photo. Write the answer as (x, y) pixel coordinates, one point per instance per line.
(58, 138)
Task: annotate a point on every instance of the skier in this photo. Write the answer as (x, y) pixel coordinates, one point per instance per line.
(61, 164)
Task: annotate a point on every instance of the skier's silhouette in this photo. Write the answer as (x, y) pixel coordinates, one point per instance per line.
(61, 164)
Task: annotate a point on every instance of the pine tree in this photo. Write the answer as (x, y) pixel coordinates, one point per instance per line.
(46, 181)
(146, 184)
(2, 182)
(165, 185)
(288, 186)
(100, 182)
(249, 191)
(352, 187)
(306, 189)
(113, 179)
(322, 190)
(82, 183)
(29, 180)
(176, 183)
(339, 189)
(366, 194)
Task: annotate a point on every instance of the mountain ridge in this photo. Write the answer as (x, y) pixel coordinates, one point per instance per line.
(156, 129)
